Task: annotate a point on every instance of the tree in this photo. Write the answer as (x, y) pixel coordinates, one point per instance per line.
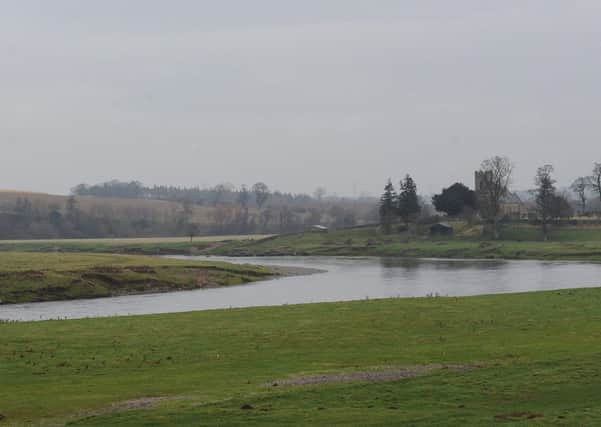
(71, 209)
(407, 201)
(579, 187)
(454, 200)
(492, 185)
(265, 217)
(243, 197)
(545, 196)
(595, 179)
(319, 193)
(262, 193)
(388, 207)
(219, 191)
(561, 207)
(192, 230)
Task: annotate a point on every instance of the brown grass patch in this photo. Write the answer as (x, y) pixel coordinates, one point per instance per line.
(380, 375)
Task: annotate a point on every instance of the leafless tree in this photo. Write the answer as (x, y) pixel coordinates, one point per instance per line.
(266, 217)
(595, 179)
(579, 186)
(319, 193)
(222, 217)
(262, 193)
(494, 180)
(219, 191)
(243, 197)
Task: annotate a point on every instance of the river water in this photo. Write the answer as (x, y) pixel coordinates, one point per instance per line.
(344, 279)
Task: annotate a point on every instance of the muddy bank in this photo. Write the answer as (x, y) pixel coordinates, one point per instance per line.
(284, 271)
(18, 287)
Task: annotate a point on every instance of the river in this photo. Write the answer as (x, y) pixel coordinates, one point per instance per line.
(344, 279)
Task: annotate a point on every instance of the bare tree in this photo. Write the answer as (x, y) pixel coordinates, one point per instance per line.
(562, 208)
(266, 217)
(492, 186)
(319, 193)
(595, 179)
(262, 193)
(219, 191)
(243, 197)
(579, 187)
(222, 216)
(192, 231)
(545, 196)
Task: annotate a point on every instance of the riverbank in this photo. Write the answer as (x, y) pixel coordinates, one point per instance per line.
(517, 242)
(567, 243)
(31, 277)
(529, 358)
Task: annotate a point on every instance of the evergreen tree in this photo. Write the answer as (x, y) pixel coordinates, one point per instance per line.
(545, 196)
(387, 207)
(408, 202)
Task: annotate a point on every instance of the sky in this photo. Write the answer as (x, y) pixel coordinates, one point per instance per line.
(336, 93)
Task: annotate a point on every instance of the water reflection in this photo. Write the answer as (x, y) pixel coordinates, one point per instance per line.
(443, 264)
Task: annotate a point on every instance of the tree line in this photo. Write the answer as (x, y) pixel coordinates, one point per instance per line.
(252, 211)
(491, 194)
(257, 195)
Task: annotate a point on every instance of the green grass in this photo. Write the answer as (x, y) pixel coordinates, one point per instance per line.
(29, 277)
(518, 242)
(142, 246)
(536, 357)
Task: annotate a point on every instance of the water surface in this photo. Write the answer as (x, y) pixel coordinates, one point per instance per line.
(345, 279)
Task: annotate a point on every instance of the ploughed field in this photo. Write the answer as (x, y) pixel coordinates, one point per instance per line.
(528, 359)
(34, 277)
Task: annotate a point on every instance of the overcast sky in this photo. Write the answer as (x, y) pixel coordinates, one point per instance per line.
(339, 93)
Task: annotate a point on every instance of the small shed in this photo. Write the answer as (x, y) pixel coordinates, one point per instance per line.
(441, 229)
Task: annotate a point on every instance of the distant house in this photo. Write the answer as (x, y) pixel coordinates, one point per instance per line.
(320, 228)
(441, 229)
(512, 205)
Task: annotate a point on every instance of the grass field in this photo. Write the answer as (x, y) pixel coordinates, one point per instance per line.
(574, 243)
(29, 277)
(523, 359)
(517, 242)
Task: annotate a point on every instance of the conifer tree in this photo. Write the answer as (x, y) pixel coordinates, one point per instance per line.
(545, 196)
(388, 207)
(408, 202)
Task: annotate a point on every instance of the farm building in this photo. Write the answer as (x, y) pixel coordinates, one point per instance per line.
(441, 229)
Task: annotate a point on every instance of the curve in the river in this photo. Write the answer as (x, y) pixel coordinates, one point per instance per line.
(345, 279)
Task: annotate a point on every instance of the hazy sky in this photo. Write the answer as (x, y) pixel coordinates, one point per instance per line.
(340, 93)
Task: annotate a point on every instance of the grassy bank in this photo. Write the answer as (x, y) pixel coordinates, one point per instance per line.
(524, 358)
(139, 246)
(29, 277)
(523, 242)
(517, 242)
